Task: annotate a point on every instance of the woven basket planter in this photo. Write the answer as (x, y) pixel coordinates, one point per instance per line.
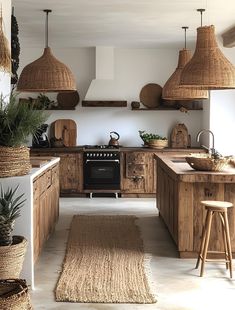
(158, 143)
(12, 258)
(14, 295)
(14, 161)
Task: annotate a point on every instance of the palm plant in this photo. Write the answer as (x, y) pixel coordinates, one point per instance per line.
(9, 210)
(18, 120)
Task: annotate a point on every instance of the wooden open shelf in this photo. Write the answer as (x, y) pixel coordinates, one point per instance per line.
(103, 103)
(165, 109)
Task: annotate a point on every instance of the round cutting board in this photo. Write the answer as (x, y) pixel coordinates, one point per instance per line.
(150, 95)
(68, 99)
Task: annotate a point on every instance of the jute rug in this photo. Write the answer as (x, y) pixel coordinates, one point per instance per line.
(104, 262)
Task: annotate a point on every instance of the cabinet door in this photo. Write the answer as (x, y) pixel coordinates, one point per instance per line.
(71, 173)
(137, 173)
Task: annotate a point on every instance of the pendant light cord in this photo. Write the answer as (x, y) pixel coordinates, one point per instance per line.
(47, 11)
(185, 29)
(201, 11)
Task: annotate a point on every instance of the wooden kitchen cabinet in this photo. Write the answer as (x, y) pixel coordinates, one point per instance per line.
(45, 206)
(71, 173)
(137, 173)
(71, 170)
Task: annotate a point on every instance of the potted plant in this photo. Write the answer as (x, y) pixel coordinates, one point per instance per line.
(12, 248)
(17, 121)
(153, 140)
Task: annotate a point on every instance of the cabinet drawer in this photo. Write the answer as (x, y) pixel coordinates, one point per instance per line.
(36, 188)
(136, 158)
(48, 178)
(55, 174)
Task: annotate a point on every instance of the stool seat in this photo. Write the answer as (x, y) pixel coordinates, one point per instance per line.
(213, 208)
(216, 204)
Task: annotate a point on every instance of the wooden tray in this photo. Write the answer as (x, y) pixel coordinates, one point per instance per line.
(68, 99)
(150, 95)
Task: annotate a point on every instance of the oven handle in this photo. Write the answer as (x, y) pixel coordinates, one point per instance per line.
(111, 160)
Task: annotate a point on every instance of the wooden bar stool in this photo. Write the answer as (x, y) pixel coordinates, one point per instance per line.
(220, 208)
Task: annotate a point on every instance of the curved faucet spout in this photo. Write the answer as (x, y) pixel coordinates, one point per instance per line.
(211, 150)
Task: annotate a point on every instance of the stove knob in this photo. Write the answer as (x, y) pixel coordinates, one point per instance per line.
(104, 154)
(111, 155)
(107, 154)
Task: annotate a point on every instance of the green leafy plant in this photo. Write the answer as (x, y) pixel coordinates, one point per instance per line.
(146, 137)
(18, 120)
(10, 206)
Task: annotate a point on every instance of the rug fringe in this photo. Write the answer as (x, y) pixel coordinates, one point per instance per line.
(147, 265)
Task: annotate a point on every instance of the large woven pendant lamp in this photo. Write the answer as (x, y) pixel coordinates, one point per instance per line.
(47, 73)
(208, 68)
(172, 89)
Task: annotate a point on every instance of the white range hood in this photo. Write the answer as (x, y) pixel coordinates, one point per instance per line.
(104, 87)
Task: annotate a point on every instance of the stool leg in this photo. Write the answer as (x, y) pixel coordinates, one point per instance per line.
(224, 240)
(202, 241)
(228, 243)
(207, 238)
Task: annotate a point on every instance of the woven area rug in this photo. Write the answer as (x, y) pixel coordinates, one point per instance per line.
(104, 262)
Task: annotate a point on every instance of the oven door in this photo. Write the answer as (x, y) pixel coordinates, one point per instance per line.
(101, 174)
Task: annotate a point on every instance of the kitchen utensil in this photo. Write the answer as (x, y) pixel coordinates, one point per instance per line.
(65, 129)
(179, 137)
(114, 141)
(150, 95)
(68, 99)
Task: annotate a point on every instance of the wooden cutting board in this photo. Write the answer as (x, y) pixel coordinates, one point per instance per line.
(150, 95)
(65, 129)
(179, 137)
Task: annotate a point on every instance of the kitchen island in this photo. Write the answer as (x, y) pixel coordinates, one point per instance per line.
(40, 210)
(179, 192)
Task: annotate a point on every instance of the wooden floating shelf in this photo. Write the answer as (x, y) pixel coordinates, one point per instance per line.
(104, 103)
(166, 109)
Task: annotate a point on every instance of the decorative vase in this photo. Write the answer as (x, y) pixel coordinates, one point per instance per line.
(12, 258)
(14, 161)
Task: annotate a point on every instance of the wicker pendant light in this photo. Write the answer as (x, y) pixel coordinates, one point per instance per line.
(172, 89)
(208, 68)
(47, 73)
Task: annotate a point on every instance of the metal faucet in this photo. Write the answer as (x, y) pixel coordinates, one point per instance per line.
(210, 150)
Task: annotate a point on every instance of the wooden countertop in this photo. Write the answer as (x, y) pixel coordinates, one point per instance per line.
(74, 149)
(181, 171)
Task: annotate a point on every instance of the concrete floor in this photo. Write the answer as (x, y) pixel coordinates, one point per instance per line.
(176, 282)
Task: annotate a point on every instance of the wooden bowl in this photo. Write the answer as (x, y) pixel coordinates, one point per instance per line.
(204, 162)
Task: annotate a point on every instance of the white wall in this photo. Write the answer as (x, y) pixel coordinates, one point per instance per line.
(5, 77)
(222, 114)
(134, 68)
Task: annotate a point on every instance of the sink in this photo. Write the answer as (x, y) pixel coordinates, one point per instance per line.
(206, 162)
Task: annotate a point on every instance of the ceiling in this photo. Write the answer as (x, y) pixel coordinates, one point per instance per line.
(119, 23)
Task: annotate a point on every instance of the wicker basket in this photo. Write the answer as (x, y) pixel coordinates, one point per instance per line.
(157, 143)
(12, 258)
(14, 295)
(14, 161)
(204, 162)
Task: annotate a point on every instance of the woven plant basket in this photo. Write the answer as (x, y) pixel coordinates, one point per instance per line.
(14, 295)
(158, 143)
(12, 258)
(207, 163)
(14, 161)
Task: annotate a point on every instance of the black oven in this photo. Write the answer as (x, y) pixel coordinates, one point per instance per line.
(101, 170)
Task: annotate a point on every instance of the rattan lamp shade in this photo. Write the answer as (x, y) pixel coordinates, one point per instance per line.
(208, 68)
(172, 89)
(46, 74)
